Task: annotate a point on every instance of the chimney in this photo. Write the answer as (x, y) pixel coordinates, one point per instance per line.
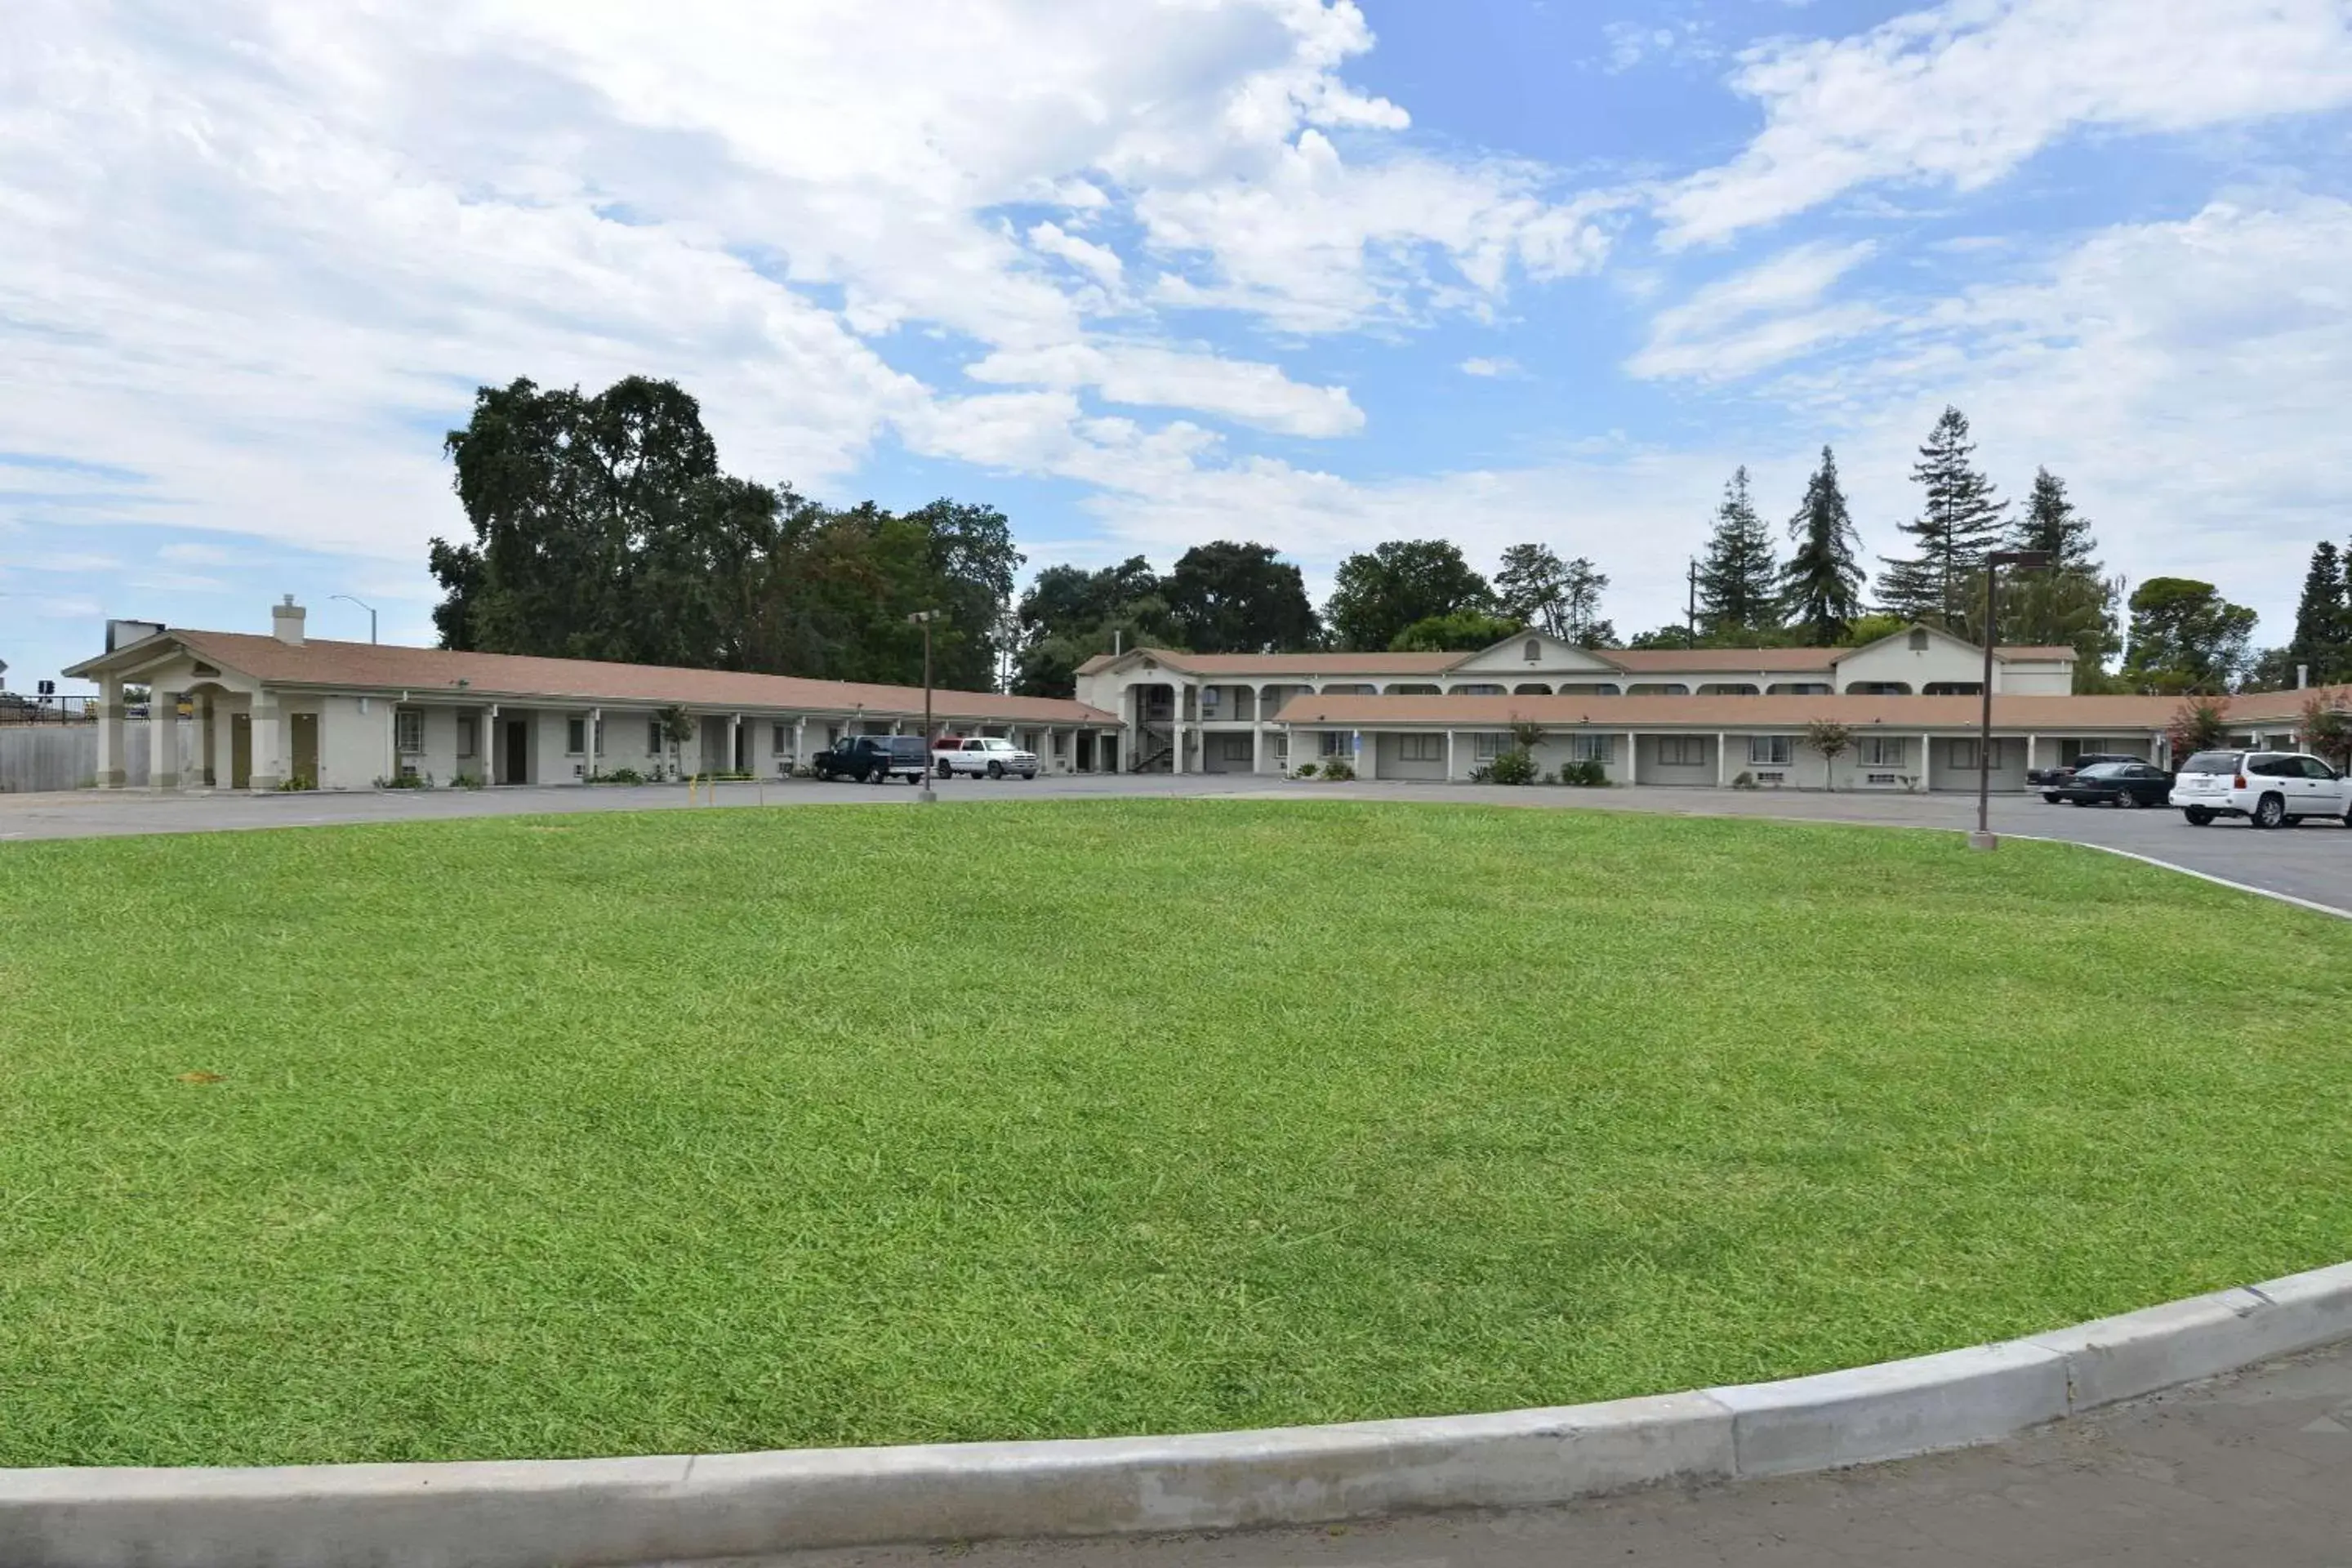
(286, 622)
(2302, 676)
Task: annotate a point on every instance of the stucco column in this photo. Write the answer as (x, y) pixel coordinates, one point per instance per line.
(1176, 740)
(1722, 756)
(735, 740)
(1257, 748)
(1633, 758)
(1450, 774)
(1926, 764)
(111, 767)
(268, 756)
(2032, 742)
(800, 742)
(1368, 756)
(162, 740)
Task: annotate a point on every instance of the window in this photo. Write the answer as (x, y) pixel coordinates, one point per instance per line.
(1210, 696)
(408, 731)
(2313, 768)
(1237, 749)
(1534, 649)
(1919, 639)
(575, 736)
(1335, 743)
(1769, 750)
(1952, 688)
(1487, 745)
(1879, 688)
(1728, 688)
(2275, 767)
(654, 743)
(1421, 748)
(470, 735)
(1282, 749)
(1798, 688)
(1964, 757)
(1882, 751)
(1682, 751)
(1657, 689)
(780, 739)
(1478, 688)
(1588, 748)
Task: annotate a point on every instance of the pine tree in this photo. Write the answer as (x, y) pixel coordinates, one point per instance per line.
(2323, 620)
(1956, 528)
(1820, 588)
(1738, 579)
(2070, 603)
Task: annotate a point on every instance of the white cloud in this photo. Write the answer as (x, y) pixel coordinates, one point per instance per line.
(1961, 93)
(1479, 364)
(323, 224)
(1739, 325)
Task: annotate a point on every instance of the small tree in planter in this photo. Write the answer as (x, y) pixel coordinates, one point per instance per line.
(2327, 730)
(1833, 740)
(2200, 724)
(677, 729)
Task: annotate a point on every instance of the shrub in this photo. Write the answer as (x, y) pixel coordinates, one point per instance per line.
(1588, 774)
(619, 776)
(1307, 770)
(464, 780)
(1516, 766)
(1745, 781)
(1338, 772)
(297, 782)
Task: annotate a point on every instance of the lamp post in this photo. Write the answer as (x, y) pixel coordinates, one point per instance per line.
(924, 618)
(346, 599)
(2024, 559)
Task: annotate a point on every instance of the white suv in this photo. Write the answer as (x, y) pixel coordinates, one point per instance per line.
(2270, 789)
(991, 754)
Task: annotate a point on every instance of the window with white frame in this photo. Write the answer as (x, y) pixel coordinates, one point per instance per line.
(1488, 744)
(1769, 750)
(653, 742)
(470, 735)
(1964, 755)
(1282, 749)
(1421, 748)
(575, 736)
(1881, 750)
(408, 731)
(1237, 749)
(780, 739)
(1210, 696)
(1589, 748)
(1335, 743)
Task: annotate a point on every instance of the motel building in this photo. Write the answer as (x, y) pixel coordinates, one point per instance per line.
(249, 712)
(1701, 717)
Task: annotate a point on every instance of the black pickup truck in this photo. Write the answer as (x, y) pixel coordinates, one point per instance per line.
(2065, 770)
(873, 759)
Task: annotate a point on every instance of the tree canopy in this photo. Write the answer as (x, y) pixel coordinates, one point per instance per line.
(602, 527)
(1739, 577)
(1821, 587)
(1379, 594)
(2185, 637)
(1240, 598)
(1959, 524)
(1464, 631)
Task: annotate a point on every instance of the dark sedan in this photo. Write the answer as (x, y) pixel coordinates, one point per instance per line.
(2114, 784)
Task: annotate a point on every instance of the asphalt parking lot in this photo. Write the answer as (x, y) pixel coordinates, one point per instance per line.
(2313, 862)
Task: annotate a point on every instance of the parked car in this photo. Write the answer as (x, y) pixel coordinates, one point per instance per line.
(873, 759)
(993, 755)
(2065, 770)
(2114, 784)
(2269, 789)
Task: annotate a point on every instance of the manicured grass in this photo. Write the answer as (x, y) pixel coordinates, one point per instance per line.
(738, 1129)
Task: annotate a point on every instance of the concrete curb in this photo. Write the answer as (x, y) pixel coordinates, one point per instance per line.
(2312, 904)
(575, 1513)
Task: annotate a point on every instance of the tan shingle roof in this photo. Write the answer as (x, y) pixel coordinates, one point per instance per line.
(502, 676)
(2057, 715)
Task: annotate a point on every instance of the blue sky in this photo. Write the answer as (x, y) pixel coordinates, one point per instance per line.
(1151, 272)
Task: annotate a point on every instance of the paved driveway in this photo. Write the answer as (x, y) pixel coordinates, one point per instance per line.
(2312, 862)
(2253, 1469)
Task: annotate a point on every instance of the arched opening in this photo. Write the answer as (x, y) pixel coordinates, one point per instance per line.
(1477, 688)
(1728, 688)
(1531, 689)
(1657, 689)
(1534, 649)
(1879, 688)
(1798, 688)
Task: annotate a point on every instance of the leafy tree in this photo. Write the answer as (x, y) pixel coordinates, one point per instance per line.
(2327, 730)
(1069, 614)
(1959, 524)
(1821, 587)
(1864, 630)
(2322, 619)
(2185, 637)
(1830, 739)
(2198, 724)
(1463, 631)
(1378, 595)
(1531, 586)
(1579, 600)
(1240, 598)
(1739, 577)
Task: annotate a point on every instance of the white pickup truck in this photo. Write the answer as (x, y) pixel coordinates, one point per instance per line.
(993, 756)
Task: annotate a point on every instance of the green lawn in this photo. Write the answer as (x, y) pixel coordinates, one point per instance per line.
(738, 1129)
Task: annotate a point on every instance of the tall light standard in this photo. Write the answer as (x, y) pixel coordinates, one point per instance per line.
(2025, 561)
(924, 618)
(346, 599)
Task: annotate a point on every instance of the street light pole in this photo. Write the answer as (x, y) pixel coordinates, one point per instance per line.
(924, 618)
(2024, 559)
(346, 599)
